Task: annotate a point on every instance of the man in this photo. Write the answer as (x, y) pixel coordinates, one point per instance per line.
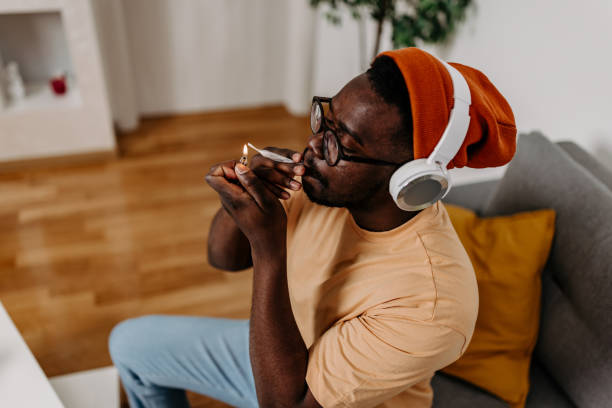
(356, 303)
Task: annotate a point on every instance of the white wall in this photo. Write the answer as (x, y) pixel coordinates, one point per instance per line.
(190, 55)
(343, 52)
(550, 58)
(116, 62)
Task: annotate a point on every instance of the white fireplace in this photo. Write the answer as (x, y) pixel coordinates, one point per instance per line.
(46, 37)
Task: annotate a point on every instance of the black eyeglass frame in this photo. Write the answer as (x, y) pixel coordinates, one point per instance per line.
(318, 101)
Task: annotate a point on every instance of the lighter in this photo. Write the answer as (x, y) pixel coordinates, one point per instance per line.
(244, 159)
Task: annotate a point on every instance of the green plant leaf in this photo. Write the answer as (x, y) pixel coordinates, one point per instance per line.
(430, 21)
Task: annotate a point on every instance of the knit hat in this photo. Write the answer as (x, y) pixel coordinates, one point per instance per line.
(491, 136)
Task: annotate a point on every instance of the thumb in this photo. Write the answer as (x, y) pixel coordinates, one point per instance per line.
(253, 185)
(241, 168)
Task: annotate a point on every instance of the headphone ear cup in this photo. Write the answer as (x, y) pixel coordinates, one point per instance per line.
(418, 184)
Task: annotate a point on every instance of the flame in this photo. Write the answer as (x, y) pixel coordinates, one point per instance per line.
(245, 150)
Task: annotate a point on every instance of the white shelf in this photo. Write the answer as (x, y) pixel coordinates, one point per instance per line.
(41, 42)
(39, 96)
(29, 6)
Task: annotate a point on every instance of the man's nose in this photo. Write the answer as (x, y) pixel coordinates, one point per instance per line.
(315, 144)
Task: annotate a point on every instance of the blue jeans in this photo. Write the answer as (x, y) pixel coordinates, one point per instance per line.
(159, 357)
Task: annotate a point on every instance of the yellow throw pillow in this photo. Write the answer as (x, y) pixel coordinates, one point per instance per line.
(508, 254)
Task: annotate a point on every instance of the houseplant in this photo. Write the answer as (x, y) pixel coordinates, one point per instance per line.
(430, 21)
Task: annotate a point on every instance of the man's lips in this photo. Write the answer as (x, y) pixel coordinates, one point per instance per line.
(305, 162)
(311, 172)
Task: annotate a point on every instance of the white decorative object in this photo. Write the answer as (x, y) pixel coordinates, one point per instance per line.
(14, 83)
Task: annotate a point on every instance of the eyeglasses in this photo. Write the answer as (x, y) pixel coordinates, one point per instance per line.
(333, 150)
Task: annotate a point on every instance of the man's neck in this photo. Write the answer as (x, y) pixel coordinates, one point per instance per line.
(382, 216)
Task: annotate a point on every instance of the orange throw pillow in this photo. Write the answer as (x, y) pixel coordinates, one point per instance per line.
(508, 254)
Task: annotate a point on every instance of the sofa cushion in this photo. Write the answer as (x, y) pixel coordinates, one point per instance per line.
(544, 392)
(508, 254)
(576, 323)
(451, 392)
(474, 196)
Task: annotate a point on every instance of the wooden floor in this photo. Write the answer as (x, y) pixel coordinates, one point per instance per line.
(82, 248)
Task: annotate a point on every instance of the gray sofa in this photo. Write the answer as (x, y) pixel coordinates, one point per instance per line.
(572, 362)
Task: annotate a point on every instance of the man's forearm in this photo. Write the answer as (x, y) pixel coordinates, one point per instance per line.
(278, 354)
(228, 248)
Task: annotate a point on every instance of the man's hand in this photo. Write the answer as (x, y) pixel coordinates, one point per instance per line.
(250, 202)
(251, 197)
(278, 175)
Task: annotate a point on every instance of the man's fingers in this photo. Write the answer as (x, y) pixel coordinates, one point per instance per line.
(225, 169)
(226, 189)
(290, 169)
(274, 176)
(276, 190)
(254, 186)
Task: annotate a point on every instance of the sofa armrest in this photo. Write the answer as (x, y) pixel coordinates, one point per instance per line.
(474, 196)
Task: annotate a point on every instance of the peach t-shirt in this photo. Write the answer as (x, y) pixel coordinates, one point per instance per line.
(380, 312)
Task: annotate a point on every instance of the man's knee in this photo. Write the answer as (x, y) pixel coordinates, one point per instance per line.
(128, 338)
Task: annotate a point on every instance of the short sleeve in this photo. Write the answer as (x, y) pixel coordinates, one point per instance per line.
(369, 359)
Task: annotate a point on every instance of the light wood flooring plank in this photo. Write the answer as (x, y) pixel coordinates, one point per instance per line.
(85, 246)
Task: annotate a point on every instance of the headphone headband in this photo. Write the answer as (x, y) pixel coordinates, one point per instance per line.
(458, 122)
(421, 182)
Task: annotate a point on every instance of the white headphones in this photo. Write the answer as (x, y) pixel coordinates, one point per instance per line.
(421, 182)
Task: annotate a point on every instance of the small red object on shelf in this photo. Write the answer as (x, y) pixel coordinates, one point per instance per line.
(58, 84)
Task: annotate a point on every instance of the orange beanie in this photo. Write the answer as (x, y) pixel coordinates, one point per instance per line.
(491, 136)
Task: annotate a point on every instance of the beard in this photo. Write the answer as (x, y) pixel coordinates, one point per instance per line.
(323, 198)
(328, 198)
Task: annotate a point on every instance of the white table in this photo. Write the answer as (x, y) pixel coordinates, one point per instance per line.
(22, 381)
